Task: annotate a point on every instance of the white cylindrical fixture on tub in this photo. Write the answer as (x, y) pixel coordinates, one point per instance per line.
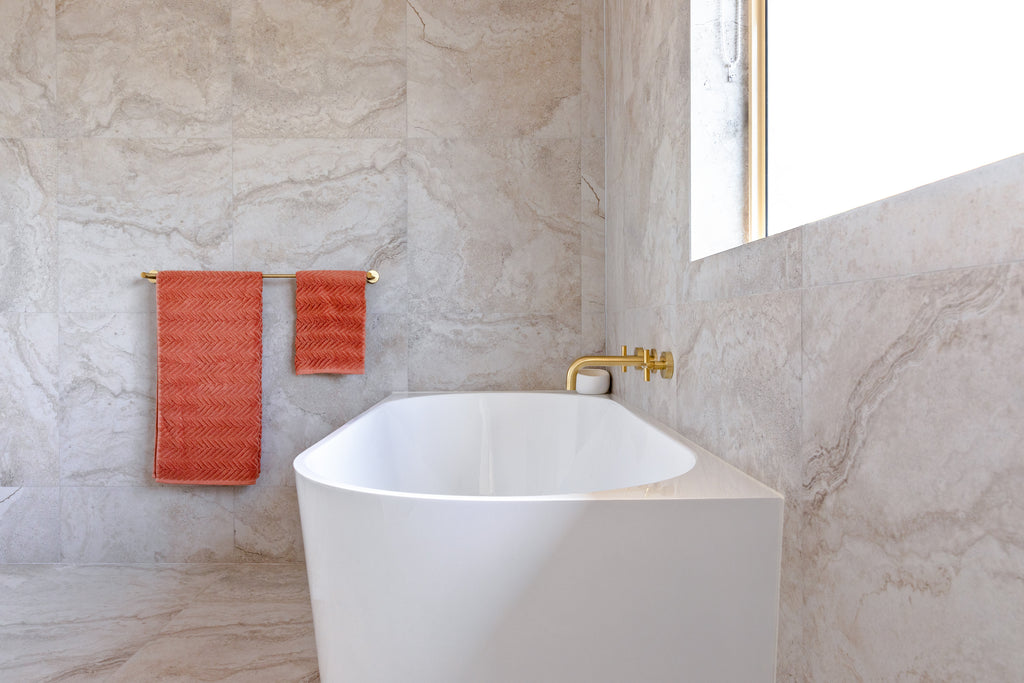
(593, 381)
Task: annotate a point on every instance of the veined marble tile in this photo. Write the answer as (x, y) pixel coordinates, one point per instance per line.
(108, 395)
(29, 400)
(489, 356)
(126, 206)
(28, 63)
(263, 583)
(81, 623)
(490, 68)
(267, 524)
(144, 68)
(649, 143)
(617, 251)
(251, 625)
(314, 69)
(156, 524)
(29, 526)
(767, 265)
(973, 219)
(331, 204)
(592, 68)
(913, 401)
(258, 643)
(592, 260)
(738, 368)
(494, 240)
(28, 239)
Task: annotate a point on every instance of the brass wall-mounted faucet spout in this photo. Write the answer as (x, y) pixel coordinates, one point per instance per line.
(642, 359)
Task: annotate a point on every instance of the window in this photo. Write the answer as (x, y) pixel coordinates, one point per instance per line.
(863, 100)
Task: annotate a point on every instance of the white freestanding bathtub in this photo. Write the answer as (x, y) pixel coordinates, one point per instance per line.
(534, 537)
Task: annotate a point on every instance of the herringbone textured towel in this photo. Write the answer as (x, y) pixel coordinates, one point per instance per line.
(209, 383)
(330, 321)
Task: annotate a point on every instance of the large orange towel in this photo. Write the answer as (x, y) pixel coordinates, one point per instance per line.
(209, 384)
(330, 321)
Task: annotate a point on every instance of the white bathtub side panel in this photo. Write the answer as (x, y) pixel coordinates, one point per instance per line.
(408, 589)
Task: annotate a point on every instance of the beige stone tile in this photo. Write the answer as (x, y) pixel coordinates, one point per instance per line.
(156, 524)
(649, 208)
(488, 68)
(616, 246)
(81, 623)
(592, 68)
(767, 265)
(319, 70)
(108, 398)
(739, 378)
(267, 524)
(29, 525)
(592, 259)
(258, 638)
(144, 68)
(281, 583)
(29, 400)
(912, 407)
(28, 65)
(312, 204)
(28, 235)
(973, 219)
(156, 622)
(494, 239)
(131, 205)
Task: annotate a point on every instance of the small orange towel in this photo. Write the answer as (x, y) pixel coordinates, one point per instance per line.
(330, 321)
(209, 384)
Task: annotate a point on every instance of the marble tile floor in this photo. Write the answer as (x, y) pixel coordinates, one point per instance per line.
(156, 622)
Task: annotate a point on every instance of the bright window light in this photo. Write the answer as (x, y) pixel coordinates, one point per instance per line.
(871, 98)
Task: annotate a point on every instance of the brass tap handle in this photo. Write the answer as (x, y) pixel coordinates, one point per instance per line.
(666, 365)
(624, 355)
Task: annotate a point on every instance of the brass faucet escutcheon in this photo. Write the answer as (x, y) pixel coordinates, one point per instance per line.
(642, 359)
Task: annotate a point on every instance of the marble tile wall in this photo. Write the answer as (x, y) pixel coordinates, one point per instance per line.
(457, 148)
(868, 366)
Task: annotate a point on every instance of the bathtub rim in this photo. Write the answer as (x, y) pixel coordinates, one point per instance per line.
(710, 478)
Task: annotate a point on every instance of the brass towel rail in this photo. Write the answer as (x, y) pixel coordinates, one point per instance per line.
(371, 275)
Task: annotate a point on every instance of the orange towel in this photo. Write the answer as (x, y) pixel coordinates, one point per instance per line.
(330, 321)
(209, 384)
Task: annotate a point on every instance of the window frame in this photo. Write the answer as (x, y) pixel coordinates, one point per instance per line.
(757, 143)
